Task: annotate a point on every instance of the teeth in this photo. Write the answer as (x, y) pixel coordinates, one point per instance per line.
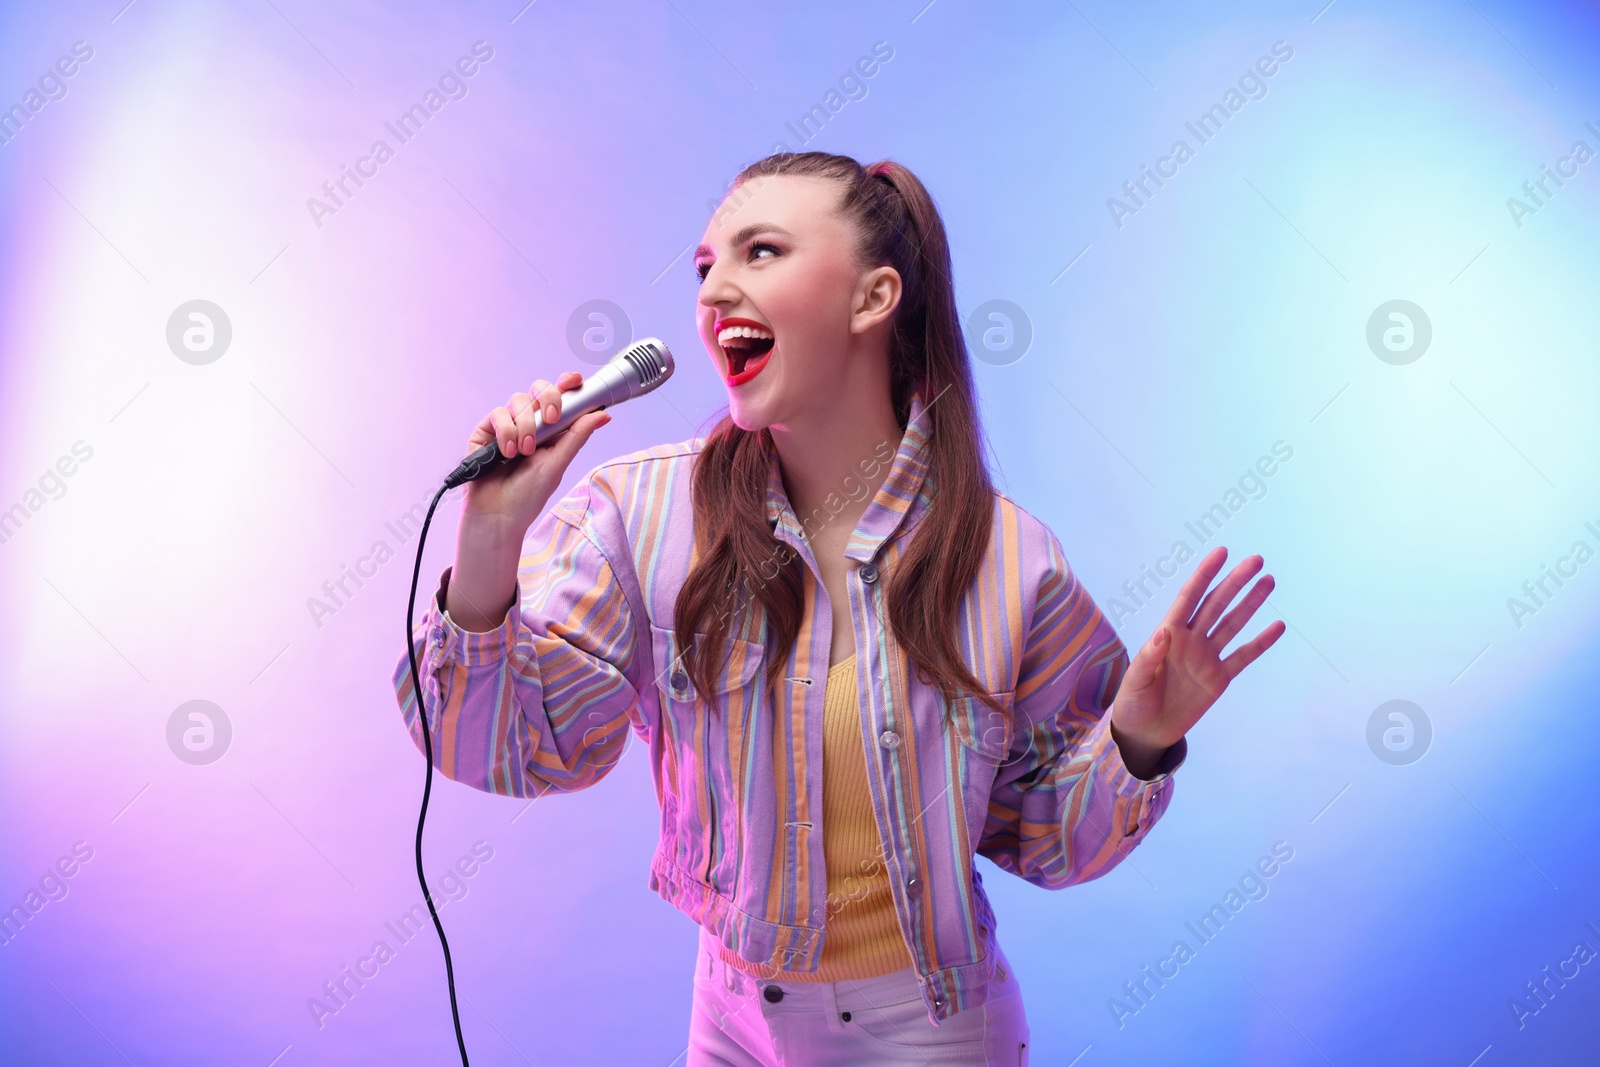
(754, 332)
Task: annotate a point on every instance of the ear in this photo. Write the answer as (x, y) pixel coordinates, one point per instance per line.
(875, 298)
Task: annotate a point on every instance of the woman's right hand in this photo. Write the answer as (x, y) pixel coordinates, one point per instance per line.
(513, 494)
(503, 503)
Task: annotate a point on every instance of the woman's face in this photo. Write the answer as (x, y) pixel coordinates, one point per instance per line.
(780, 302)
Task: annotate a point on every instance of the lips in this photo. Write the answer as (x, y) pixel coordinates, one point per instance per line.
(747, 345)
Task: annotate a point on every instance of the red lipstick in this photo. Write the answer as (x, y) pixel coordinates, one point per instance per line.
(744, 367)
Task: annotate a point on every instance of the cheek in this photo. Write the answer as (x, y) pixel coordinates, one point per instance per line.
(812, 317)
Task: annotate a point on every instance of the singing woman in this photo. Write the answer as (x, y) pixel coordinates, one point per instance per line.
(854, 664)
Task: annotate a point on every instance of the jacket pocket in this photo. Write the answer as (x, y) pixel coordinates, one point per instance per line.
(985, 738)
(672, 675)
(700, 770)
(981, 728)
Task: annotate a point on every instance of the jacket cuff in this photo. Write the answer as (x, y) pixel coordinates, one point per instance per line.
(1125, 781)
(450, 642)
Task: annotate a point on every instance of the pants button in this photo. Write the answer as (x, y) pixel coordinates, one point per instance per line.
(773, 994)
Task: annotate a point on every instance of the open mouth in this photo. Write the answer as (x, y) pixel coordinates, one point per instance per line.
(748, 347)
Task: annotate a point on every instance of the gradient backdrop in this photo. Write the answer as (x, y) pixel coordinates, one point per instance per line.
(173, 508)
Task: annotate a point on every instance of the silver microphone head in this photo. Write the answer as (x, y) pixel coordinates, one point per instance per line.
(645, 365)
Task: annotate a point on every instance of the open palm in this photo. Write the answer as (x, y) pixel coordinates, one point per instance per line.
(1180, 672)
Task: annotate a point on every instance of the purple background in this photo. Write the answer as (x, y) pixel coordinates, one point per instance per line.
(1168, 353)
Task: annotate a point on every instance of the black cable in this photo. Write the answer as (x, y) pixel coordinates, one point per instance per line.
(427, 748)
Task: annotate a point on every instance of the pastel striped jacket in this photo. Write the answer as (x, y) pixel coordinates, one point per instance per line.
(542, 704)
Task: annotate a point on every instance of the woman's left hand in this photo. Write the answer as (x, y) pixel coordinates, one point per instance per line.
(1180, 672)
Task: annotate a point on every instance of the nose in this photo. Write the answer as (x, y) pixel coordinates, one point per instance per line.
(717, 291)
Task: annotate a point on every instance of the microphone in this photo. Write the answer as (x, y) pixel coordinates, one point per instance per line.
(635, 371)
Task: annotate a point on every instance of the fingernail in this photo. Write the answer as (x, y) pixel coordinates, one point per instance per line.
(528, 443)
(551, 413)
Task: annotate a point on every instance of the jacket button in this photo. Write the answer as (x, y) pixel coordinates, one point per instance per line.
(869, 572)
(912, 885)
(889, 739)
(773, 994)
(679, 680)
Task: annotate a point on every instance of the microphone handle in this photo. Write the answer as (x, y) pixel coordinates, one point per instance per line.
(603, 388)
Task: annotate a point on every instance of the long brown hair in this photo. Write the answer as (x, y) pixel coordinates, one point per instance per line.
(897, 225)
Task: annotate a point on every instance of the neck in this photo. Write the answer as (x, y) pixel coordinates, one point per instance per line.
(831, 458)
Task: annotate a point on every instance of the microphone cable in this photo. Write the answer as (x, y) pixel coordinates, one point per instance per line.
(467, 470)
(427, 781)
(634, 371)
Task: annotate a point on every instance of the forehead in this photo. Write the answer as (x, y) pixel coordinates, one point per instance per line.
(802, 205)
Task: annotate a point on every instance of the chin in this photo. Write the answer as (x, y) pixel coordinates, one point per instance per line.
(749, 416)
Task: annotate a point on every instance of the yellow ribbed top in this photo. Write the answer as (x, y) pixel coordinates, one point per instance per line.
(863, 937)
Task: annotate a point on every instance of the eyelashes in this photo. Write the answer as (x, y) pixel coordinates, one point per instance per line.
(702, 269)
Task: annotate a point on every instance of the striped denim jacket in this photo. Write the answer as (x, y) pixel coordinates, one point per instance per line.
(542, 703)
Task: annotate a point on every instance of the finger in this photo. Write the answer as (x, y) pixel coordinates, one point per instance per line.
(550, 403)
(520, 405)
(1148, 659)
(1183, 606)
(1217, 601)
(1234, 620)
(564, 380)
(536, 393)
(526, 412)
(481, 434)
(505, 431)
(1246, 653)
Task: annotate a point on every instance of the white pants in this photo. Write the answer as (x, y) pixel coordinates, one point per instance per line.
(735, 1022)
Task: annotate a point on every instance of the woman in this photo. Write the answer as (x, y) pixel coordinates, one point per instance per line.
(856, 665)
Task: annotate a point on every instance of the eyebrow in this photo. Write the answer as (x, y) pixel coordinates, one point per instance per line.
(744, 235)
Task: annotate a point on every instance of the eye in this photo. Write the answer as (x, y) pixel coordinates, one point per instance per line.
(702, 269)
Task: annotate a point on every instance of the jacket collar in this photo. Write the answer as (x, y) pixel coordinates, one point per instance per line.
(904, 486)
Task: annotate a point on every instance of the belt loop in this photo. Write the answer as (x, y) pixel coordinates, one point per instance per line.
(830, 1005)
